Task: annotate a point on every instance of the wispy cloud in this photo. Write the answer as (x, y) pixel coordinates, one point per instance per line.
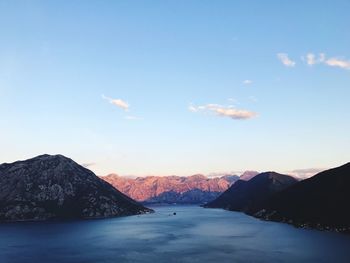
(312, 59)
(247, 82)
(87, 165)
(233, 101)
(253, 99)
(224, 111)
(117, 102)
(338, 62)
(192, 108)
(132, 118)
(283, 57)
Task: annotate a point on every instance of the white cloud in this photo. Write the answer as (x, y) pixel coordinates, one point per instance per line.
(87, 165)
(283, 57)
(338, 62)
(117, 102)
(192, 108)
(247, 82)
(224, 111)
(311, 60)
(305, 173)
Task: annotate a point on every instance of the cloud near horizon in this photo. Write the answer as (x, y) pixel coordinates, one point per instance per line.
(247, 82)
(305, 173)
(224, 111)
(117, 102)
(283, 57)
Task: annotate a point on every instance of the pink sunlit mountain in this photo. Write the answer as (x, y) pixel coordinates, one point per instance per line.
(195, 189)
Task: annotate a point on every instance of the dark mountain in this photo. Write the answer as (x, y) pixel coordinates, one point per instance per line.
(247, 196)
(55, 187)
(322, 201)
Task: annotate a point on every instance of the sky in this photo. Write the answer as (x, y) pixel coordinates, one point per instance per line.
(176, 87)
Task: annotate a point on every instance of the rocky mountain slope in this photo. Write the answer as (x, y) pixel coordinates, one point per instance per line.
(321, 201)
(195, 189)
(247, 196)
(55, 187)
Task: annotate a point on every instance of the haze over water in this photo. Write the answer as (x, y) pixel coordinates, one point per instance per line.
(194, 234)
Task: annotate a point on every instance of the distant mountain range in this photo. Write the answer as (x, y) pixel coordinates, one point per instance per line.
(55, 187)
(195, 189)
(321, 201)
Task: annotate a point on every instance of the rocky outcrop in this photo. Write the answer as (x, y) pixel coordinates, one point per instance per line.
(55, 187)
(321, 201)
(247, 196)
(195, 189)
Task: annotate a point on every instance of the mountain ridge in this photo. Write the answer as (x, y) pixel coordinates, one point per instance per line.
(195, 189)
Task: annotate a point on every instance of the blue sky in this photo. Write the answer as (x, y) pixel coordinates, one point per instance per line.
(204, 86)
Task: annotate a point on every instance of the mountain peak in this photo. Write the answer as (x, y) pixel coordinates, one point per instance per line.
(50, 156)
(54, 186)
(248, 195)
(269, 174)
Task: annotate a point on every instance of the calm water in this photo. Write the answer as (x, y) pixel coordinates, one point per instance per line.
(193, 235)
